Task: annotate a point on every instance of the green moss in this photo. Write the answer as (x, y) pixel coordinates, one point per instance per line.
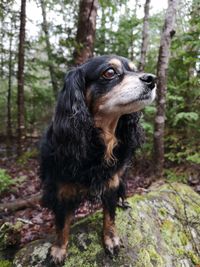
(189, 255)
(89, 246)
(156, 259)
(85, 241)
(167, 230)
(149, 257)
(143, 259)
(162, 212)
(196, 207)
(194, 258)
(136, 238)
(137, 198)
(180, 251)
(5, 263)
(184, 239)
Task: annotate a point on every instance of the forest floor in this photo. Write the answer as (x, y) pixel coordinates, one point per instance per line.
(38, 221)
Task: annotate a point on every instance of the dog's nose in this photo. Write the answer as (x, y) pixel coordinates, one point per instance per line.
(149, 79)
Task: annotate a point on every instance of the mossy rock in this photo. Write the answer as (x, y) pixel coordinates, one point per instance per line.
(161, 229)
(9, 235)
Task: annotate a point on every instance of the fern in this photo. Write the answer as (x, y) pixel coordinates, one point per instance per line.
(5, 181)
(185, 117)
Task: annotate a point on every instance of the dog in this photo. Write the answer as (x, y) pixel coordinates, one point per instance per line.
(91, 141)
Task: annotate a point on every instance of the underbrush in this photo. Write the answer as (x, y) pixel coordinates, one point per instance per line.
(6, 181)
(29, 154)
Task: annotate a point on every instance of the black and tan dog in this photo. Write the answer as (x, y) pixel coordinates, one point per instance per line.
(93, 135)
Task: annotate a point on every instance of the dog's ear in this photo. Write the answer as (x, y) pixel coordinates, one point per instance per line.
(72, 121)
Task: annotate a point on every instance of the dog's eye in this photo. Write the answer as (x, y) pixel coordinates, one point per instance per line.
(109, 74)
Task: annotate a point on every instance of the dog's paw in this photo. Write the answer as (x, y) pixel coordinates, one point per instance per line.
(112, 245)
(123, 204)
(57, 255)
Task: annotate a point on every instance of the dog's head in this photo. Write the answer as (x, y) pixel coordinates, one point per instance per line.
(113, 86)
(100, 91)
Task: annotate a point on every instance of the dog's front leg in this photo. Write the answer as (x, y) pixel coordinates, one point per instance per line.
(63, 218)
(110, 237)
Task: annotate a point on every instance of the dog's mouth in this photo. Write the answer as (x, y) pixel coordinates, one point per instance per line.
(144, 99)
(146, 95)
(128, 100)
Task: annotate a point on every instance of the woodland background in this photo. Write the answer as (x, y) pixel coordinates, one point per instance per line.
(34, 61)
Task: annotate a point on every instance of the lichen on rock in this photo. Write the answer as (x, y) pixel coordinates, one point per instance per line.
(161, 229)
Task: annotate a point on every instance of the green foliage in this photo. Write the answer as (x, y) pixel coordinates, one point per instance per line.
(195, 158)
(119, 31)
(177, 152)
(5, 263)
(5, 181)
(174, 176)
(185, 117)
(148, 127)
(29, 154)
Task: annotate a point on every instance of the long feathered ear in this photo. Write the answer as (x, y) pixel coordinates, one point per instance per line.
(72, 121)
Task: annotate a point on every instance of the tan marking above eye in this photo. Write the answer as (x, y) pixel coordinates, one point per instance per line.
(115, 62)
(132, 66)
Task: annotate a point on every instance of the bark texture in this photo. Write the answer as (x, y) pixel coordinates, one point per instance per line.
(20, 77)
(161, 229)
(145, 36)
(2, 53)
(86, 31)
(9, 122)
(163, 59)
(49, 49)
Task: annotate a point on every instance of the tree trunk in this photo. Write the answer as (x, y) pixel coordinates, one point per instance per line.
(49, 49)
(9, 123)
(163, 59)
(145, 36)
(2, 39)
(20, 93)
(86, 31)
(132, 56)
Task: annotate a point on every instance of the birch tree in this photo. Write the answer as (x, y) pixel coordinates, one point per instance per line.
(162, 66)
